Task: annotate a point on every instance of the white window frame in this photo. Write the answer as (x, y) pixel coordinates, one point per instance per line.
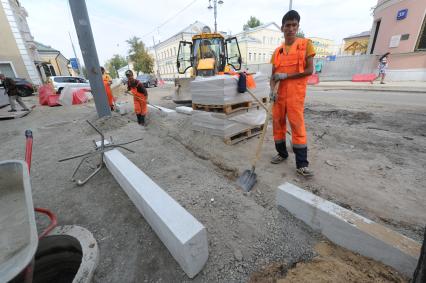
(11, 65)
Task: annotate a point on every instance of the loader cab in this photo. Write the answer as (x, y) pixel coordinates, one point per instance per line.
(208, 54)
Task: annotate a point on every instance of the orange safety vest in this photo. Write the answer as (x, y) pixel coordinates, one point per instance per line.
(291, 93)
(108, 91)
(139, 100)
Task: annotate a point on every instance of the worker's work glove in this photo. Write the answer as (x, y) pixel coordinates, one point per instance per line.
(272, 96)
(279, 76)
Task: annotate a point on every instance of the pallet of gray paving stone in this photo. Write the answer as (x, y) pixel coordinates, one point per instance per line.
(222, 90)
(231, 128)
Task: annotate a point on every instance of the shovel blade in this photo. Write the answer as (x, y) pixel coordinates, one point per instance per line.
(247, 180)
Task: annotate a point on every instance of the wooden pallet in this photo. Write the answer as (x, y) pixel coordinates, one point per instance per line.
(227, 109)
(243, 135)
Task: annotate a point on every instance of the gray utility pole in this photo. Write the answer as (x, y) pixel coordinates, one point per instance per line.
(75, 55)
(90, 56)
(290, 7)
(156, 58)
(215, 2)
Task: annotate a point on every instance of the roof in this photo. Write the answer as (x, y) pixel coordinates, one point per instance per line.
(194, 28)
(264, 26)
(362, 34)
(44, 48)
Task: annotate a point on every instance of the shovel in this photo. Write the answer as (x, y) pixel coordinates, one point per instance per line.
(249, 178)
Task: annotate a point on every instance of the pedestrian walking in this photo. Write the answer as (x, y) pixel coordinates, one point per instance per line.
(292, 64)
(13, 93)
(383, 65)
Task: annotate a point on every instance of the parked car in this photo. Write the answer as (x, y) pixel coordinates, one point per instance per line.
(147, 80)
(59, 82)
(25, 87)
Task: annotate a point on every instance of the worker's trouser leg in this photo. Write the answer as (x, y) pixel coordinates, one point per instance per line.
(292, 108)
(279, 127)
(295, 108)
(18, 99)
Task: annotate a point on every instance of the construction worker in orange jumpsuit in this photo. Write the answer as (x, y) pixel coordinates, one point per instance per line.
(140, 97)
(107, 84)
(292, 64)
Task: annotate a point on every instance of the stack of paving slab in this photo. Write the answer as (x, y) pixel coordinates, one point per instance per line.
(241, 116)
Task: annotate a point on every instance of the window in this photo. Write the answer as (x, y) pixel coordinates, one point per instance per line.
(249, 56)
(174, 49)
(7, 70)
(421, 45)
(254, 56)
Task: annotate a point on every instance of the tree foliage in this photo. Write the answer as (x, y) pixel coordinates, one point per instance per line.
(115, 63)
(252, 23)
(142, 60)
(300, 33)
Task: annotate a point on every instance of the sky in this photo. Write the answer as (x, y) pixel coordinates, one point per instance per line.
(113, 21)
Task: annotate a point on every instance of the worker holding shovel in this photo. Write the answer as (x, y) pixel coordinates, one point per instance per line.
(292, 64)
(140, 97)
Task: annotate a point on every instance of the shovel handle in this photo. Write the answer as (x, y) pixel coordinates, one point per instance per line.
(265, 127)
(28, 148)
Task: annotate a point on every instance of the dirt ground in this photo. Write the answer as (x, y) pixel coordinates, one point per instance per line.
(366, 157)
(332, 264)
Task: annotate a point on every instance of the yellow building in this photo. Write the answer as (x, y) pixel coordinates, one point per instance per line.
(323, 47)
(17, 48)
(52, 62)
(356, 44)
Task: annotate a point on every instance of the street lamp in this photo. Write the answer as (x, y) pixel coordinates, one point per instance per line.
(215, 2)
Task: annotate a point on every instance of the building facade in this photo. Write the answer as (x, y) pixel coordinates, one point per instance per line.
(18, 51)
(399, 28)
(258, 44)
(356, 44)
(52, 62)
(165, 52)
(323, 47)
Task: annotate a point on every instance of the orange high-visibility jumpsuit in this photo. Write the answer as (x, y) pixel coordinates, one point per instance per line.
(140, 97)
(106, 78)
(290, 100)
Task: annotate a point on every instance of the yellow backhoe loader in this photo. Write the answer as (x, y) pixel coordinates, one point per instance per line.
(207, 55)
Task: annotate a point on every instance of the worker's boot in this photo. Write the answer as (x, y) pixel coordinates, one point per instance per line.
(302, 163)
(139, 118)
(282, 155)
(142, 123)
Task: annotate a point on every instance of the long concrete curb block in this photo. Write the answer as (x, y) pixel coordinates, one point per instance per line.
(183, 235)
(350, 230)
(163, 109)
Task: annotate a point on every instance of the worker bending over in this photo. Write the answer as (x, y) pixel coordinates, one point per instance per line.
(292, 63)
(140, 97)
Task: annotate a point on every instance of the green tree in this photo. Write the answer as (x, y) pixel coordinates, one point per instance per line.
(142, 60)
(300, 33)
(252, 23)
(115, 63)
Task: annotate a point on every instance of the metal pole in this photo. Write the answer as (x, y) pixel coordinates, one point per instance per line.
(75, 54)
(156, 58)
(291, 5)
(215, 15)
(90, 56)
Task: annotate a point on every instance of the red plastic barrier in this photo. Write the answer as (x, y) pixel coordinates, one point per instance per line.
(44, 92)
(79, 96)
(313, 79)
(52, 100)
(363, 77)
